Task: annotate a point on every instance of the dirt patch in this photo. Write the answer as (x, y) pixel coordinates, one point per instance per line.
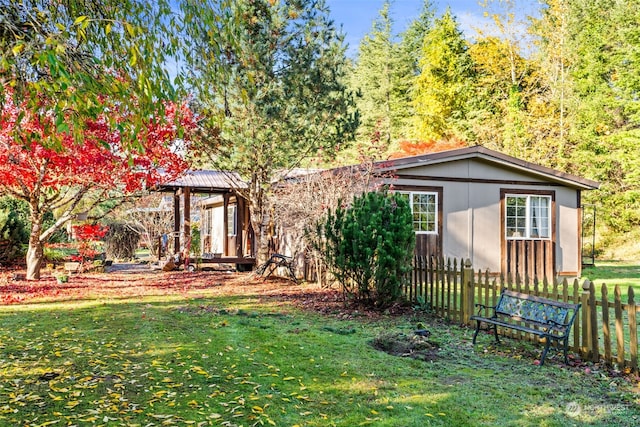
(415, 346)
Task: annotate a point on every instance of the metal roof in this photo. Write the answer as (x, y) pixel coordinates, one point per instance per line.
(491, 156)
(206, 181)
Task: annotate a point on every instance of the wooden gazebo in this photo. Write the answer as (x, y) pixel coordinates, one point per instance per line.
(236, 249)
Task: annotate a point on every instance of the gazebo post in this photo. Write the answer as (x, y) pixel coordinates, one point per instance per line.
(186, 196)
(176, 221)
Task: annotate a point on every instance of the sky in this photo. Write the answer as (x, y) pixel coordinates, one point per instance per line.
(357, 16)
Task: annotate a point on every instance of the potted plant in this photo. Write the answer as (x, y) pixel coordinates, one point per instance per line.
(61, 276)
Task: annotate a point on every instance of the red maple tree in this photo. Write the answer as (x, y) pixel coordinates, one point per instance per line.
(55, 170)
(415, 148)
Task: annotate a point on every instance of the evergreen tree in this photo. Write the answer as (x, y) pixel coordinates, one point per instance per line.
(606, 130)
(369, 245)
(373, 78)
(408, 66)
(442, 89)
(14, 230)
(595, 90)
(268, 78)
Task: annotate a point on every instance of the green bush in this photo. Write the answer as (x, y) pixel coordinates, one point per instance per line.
(121, 240)
(368, 247)
(14, 228)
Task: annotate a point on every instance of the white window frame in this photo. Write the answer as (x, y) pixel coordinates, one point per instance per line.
(411, 195)
(528, 231)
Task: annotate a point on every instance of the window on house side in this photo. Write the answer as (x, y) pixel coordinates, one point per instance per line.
(528, 217)
(424, 209)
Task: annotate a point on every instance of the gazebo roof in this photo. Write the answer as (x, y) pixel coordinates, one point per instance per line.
(205, 181)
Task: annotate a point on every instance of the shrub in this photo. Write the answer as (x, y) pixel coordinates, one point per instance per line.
(121, 241)
(14, 228)
(368, 247)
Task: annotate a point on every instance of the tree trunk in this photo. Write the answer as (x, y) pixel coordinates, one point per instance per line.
(261, 238)
(258, 202)
(35, 253)
(35, 256)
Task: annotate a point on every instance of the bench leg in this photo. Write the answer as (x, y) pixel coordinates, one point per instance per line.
(565, 345)
(544, 352)
(493, 326)
(475, 334)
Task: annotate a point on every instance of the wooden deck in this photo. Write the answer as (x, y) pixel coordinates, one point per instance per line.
(225, 260)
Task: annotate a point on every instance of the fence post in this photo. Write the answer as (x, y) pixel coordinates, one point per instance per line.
(467, 291)
(593, 313)
(633, 330)
(589, 322)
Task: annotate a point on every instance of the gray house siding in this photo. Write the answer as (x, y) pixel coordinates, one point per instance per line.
(473, 184)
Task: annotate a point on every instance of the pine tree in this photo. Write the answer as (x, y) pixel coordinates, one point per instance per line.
(442, 89)
(268, 78)
(408, 67)
(368, 247)
(373, 78)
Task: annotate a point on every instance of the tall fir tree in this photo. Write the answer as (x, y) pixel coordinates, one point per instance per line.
(441, 90)
(374, 79)
(591, 50)
(408, 66)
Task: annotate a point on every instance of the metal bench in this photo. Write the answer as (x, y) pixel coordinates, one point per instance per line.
(274, 262)
(545, 318)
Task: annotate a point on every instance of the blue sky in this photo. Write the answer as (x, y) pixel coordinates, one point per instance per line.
(356, 16)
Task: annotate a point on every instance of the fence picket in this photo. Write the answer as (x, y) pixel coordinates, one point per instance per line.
(619, 327)
(576, 323)
(456, 312)
(449, 279)
(606, 332)
(633, 330)
(593, 325)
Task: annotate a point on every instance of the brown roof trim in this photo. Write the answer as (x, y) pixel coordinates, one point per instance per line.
(482, 153)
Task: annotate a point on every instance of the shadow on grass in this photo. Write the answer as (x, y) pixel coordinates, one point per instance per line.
(612, 270)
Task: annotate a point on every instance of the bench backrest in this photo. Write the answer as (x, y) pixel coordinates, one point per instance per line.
(530, 308)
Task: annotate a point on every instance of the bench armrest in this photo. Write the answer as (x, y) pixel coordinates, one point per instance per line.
(557, 324)
(481, 307)
(484, 306)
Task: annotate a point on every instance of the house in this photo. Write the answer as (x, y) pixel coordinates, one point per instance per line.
(504, 214)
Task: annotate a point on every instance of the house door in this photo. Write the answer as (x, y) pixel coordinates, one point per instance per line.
(528, 234)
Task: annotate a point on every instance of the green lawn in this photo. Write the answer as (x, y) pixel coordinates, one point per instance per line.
(241, 361)
(614, 272)
(625, 274)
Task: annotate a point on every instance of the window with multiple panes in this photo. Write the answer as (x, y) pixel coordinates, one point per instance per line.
(424, 209)
(528, 216)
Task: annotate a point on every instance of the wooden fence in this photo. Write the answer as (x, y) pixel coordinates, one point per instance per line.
(604, 329)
